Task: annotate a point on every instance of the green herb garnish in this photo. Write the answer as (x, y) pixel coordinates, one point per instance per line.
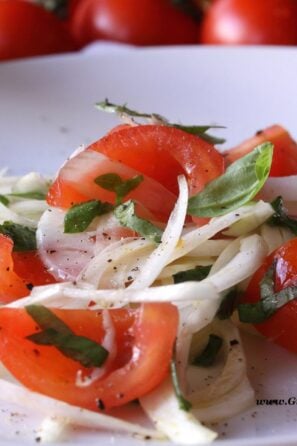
(156, 118)
(125, 213)
(196, 274)
(182, 402)
(209, 354)
(57, 334)
(280, 217)
(114, 183)
(4, 200)
(80, 216)
(228, 304)
(236, 187)
(33, 195)
(269, 302)
(24, 238)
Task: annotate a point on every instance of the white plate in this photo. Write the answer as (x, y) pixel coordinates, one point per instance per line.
(46, 110)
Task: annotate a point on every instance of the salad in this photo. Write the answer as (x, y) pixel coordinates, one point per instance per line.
(127, 278)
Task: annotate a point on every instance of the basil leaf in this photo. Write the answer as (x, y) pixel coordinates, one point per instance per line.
(228, 305)
(24, 238)
(125, 213)
(114, 183)
(280, 217)
(269, 302)
(34, 195)
(123, 110)
(196, 274)
(4, 200)
(237, 186)
(57, 334)
(208, 356)
(182, 402)
(80, 216)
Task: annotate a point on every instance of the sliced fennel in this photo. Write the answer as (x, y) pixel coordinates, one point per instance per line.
(181, 427)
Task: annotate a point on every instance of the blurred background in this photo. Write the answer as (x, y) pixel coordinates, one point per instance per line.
(38, 27)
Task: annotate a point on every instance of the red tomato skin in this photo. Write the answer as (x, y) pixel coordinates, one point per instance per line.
(233, 22)
(145, 338)
(28, 30)
(159, 152)
(19, 271)
(130, 21)
(163, 153)
(284, 162)
(281, 327)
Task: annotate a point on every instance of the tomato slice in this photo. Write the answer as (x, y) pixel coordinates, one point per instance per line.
(284, 160)
(281, 327)
(163, 153)
(160, 153)
(144, 340)
(19, 271)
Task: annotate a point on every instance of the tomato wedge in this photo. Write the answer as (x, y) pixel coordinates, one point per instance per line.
(280, 327)
(19, 271)
(284, 160)
(144, 343)
(158, 152)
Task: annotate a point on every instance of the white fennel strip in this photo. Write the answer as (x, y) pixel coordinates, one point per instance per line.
(161, 405)
(170, 238)
(66, 295)
(280, 186)
(193, 239)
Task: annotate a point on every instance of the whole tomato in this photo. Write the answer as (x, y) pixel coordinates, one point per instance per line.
(27, 29)
(145, 22)
(234, 22)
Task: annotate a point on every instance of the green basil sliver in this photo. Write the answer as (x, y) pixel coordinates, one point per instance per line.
(182, 402)
(269, 302)
(195, 274)
(280, 217)
(209, 354)
(240, 183)
(33, 195)
(57, 334)
(23, 237)
(81, 215)
(114, 183)
(4, 200)
(125, 213)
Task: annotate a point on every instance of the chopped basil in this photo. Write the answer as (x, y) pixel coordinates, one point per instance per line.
(125, 213)
(33, 195)
(24, 238)
(269, 302)
(228, 305)
(182, 402)
(114, 183)
(4, 200)
(57, 334)
(196, 274)
(209, 354)
(237, 186)
(280, 217)
(79, 216)
(123, 110)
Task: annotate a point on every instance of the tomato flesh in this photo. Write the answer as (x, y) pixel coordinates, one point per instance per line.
(19, 271)
(284, 162)
(281, 327)
(158, 152)
(144, 339)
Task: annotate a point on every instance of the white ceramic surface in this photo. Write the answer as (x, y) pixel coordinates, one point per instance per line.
(46, 110)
